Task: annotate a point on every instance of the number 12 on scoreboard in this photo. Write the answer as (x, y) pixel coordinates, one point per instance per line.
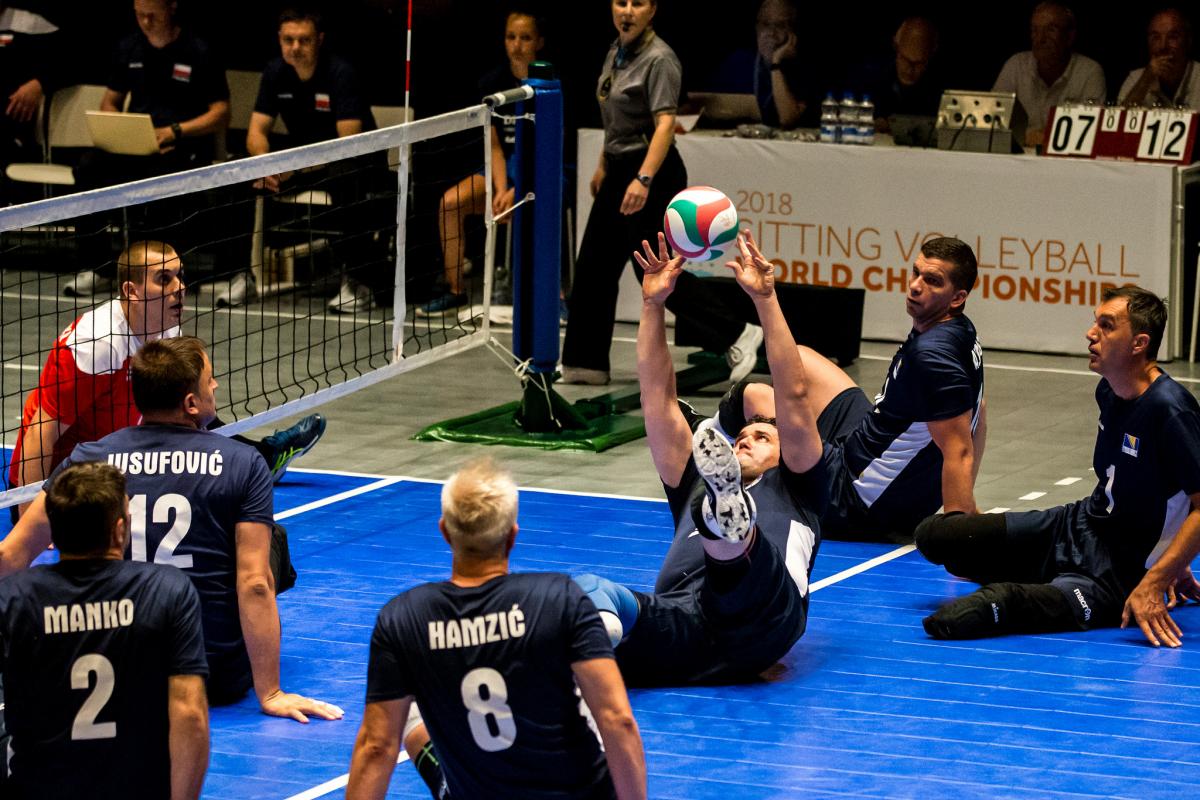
(1165, 136)
(1162, 135)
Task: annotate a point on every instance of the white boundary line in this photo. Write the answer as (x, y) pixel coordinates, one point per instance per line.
(337, 498)
(434, 480)
(337, 783)
(863, 567)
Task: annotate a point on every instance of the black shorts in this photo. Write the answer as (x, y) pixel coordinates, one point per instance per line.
(1057, 546)
(845, 516)
(697, 635)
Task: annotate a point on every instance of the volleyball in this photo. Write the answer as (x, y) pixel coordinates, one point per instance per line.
(701, 224)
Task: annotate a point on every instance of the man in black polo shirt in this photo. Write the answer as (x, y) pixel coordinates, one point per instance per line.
(318, 96)
(168, 73)
(103, 659)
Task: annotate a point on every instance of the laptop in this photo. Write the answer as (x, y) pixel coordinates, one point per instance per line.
(125, 134)
(723, 107)
(912, 130)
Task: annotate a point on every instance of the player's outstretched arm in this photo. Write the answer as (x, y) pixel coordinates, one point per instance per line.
(667, 431)
(260, 627)
(954, 438)
(30, 537)
(1145, 605)
(603, 690)
(376, 749)
(187, 714)
(799, 441)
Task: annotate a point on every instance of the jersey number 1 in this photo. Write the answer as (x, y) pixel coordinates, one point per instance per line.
(485, 693)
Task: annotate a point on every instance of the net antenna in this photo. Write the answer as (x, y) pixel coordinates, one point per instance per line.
(278, 353)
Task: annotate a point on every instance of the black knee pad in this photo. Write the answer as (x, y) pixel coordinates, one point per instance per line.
(1002, 608)
(943, 538)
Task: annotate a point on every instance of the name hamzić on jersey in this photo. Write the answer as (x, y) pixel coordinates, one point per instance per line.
(477, 630)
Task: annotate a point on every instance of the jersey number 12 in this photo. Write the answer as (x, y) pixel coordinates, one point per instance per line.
(163, 506)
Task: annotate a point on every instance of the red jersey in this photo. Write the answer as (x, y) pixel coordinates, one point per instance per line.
(85, 383)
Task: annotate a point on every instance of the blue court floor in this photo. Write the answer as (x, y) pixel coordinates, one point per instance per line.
(865, 705)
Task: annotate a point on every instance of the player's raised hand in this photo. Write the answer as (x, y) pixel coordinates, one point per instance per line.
(298, 707)
(661, 271)
(751, 269)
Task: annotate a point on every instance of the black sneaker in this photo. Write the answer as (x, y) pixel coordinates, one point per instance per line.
(293, 442)
(728, 512)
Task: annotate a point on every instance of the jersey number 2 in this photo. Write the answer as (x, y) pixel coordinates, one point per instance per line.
(163, 507)
(485, 693)
(85, 725)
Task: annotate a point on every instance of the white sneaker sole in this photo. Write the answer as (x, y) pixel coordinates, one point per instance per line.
(719, 468)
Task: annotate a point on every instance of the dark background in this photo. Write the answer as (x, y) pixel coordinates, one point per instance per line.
(456, 41)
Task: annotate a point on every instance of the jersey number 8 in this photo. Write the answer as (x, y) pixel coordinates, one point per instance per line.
(485, 693)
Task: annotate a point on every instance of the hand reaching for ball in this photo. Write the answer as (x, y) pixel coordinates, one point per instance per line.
(661, 271)
(751, 269)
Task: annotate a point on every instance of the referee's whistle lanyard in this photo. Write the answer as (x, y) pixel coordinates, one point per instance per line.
(621, 59)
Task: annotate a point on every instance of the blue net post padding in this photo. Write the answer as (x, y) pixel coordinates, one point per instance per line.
(537, 235)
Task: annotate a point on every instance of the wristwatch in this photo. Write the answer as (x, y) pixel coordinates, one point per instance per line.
(644, 180)
(177, 131)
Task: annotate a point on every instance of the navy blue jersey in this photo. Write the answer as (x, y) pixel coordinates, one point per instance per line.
(789, 508)
(171, 84)
(188, 489)
(311, 109)
(1147, 462)
(490, 667)
(895, 464)
(86, 648)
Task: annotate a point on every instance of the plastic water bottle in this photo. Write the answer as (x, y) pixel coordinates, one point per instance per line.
(866, 120)
(848, 119)
(829, 119)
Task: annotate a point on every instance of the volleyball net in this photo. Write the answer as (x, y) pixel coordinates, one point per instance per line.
(310, 271)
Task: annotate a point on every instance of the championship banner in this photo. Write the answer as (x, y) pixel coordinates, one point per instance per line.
(1049, 234)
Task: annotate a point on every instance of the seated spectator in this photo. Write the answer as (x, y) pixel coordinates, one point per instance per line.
(318, 97)
(1170, 77)
(773, 71)
(176, 78)
(908, 82)
(1051, 73)
(523, 40)
(30, 69)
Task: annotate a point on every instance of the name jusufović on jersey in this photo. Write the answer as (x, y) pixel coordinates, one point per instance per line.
(174, 462)
(80, 617)
(474, 631)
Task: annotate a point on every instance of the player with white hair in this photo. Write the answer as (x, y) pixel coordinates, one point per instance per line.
(497, 660)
